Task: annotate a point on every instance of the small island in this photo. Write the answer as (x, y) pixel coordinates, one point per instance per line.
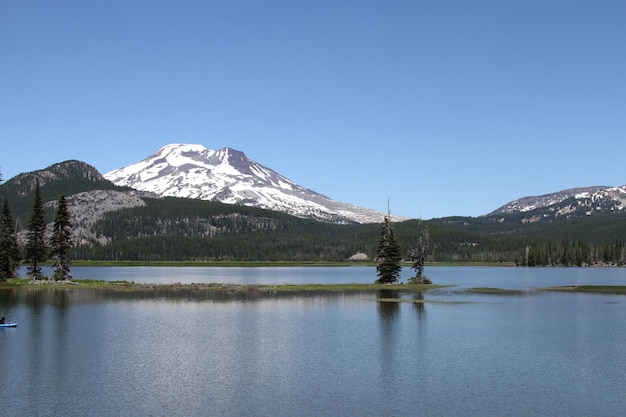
(126, 286)
(598, 289)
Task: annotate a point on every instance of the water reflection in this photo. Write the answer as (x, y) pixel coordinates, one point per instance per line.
(388, 305)
(388, 309)
(38, 299)
(199, 352)
(8, 297)
(419, 303)
(61, 303)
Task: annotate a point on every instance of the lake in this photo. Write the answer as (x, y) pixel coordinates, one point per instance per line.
(101, 353)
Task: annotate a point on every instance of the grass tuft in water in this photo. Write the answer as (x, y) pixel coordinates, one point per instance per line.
(598, 289)
(494, 291)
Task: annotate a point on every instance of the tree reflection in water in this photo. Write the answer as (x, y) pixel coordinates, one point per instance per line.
(388, 305)
(419, 302)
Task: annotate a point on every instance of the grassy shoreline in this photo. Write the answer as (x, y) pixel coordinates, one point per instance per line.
(21, 283)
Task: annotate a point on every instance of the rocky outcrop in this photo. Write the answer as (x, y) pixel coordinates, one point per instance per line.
(88, 207)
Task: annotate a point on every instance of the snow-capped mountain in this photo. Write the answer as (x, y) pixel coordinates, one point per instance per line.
(228, 176)
(572, 202)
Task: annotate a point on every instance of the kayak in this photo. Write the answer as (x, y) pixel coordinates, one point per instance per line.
(9, 324)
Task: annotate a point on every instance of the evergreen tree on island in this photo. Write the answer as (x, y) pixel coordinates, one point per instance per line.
(36, 251)
(389, 258)
(418, 257)
(61, 241)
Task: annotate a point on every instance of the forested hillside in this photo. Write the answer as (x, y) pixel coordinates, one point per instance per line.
(183, 229)
(195, 230)
(571, 242)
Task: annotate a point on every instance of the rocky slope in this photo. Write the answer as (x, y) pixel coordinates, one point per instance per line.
(88, 194)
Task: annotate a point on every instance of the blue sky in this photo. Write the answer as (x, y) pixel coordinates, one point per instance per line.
(438, 107)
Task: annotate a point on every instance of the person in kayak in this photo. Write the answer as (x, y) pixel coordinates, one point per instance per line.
(2, 320)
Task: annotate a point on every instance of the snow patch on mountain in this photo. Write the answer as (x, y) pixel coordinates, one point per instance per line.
(228, 176)
(575, 201)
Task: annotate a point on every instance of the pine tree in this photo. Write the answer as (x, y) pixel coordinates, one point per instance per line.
(9, 249)
(418, 257)
(61, 241)
(389, 258)
(36, 250)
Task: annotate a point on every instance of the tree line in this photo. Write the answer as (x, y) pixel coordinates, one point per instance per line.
(572, 253)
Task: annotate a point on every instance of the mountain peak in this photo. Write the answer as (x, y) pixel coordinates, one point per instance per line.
(229, 176)
(572, 202)
(177, 153)
(58, 174)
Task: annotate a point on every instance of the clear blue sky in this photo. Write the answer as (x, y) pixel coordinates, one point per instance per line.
(439, 107)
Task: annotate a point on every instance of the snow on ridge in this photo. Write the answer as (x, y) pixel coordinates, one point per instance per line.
(585, 199)
(227, 175)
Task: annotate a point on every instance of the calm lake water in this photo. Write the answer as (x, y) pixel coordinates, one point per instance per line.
(98, 353)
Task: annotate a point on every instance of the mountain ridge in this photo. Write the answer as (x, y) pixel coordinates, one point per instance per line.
(74, 176)
(229, 176)
(573, 202)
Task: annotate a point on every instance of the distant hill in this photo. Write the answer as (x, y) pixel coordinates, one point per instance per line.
(575, 202)
(68, 177)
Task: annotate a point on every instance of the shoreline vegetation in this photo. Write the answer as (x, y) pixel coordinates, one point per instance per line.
(271, 289)
(597, 289)
(24, 283)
